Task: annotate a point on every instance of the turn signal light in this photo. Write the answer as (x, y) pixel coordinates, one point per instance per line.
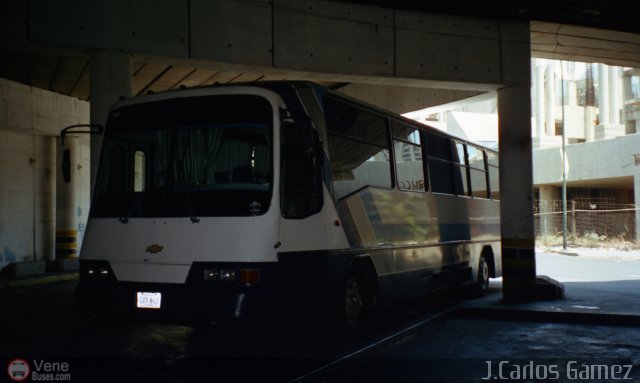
(250, 276)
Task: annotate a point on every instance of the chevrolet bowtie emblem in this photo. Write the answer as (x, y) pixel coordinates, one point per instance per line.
(154, 249)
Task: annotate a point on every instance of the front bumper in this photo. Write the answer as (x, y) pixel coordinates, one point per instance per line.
(100, 295)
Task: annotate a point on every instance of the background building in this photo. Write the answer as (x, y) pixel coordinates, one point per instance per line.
(598, 107)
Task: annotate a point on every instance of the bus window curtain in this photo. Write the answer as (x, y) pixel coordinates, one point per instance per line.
(186, 158)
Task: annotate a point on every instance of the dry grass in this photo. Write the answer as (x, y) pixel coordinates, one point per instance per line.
(591, 240)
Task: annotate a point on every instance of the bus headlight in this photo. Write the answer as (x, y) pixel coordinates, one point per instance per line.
(95, 270)
(223, 275)
(98, 271)
(245, 276)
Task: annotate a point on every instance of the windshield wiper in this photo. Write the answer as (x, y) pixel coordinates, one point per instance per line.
(192, 214)
(125, 218)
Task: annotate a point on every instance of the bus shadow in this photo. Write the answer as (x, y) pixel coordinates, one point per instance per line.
(296, 349)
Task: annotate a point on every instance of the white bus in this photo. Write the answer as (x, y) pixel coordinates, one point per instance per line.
(240, 202)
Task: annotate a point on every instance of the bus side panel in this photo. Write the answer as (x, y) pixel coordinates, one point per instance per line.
(321, 231)
(375, 217)
(378, 217)
(420, 241)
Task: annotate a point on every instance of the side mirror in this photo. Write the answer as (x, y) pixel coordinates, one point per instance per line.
(317, 148)
(66, 165)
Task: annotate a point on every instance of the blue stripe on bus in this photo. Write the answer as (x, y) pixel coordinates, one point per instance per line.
(455, 232)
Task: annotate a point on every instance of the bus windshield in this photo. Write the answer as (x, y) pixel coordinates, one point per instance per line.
(187, 157)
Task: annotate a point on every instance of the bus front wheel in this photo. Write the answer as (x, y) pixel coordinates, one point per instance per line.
(354, 302)
(359, 297)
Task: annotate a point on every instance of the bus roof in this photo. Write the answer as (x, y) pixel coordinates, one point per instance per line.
(282, 87)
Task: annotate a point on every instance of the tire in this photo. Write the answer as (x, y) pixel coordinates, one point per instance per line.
(482, 278)
(354, 303)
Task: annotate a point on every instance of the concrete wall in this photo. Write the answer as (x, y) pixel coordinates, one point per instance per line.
(603, 164)
(17, 204)
(597, 160)
(30, 120)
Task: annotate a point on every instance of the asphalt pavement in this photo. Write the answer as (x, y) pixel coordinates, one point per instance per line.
(598, 290)
(589, 335)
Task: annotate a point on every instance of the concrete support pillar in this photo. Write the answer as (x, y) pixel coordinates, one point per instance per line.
(629, 112)
(547, 219)
(516, 193)
(67, 221)
(516, 189)
(111, 79)
(545, 116)
(550, 105)
(540, 99)
(627, 92)
(516, 166)
(614, 95)
(572, 86)
(603, 95)
(46, 169)
(609, 104)
(590, 116)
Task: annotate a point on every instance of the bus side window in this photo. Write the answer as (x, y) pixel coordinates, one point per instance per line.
(478, 172)
(358, 147)
(460, 169)
(494, 175)
(440, 162)
(301, 171)
(139, 171)
(408, 157)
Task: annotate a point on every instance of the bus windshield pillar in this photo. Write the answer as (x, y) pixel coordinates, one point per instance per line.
(111, 78)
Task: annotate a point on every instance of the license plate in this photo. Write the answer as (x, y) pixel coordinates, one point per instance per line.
(148, 300)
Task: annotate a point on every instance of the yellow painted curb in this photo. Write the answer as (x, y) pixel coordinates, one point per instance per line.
(38, 280)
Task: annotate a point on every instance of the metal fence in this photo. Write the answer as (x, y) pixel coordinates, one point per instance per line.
(601, 217)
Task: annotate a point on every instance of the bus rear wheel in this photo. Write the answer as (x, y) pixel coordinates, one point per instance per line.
(482, 279)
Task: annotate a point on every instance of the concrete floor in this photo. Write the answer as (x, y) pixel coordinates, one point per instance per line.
(451, 340)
